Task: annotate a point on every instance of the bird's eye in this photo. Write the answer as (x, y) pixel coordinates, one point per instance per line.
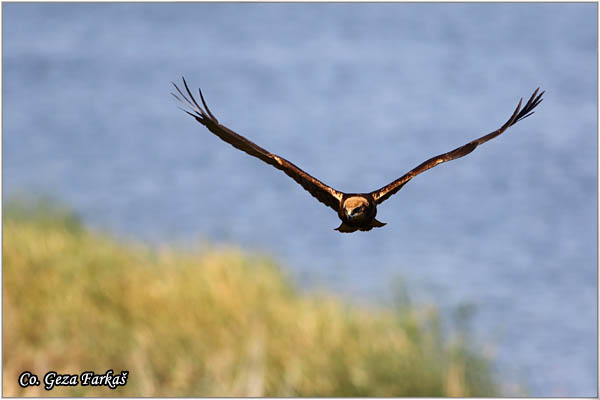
(356, 210)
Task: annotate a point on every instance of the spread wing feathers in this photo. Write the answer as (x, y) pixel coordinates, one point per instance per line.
(385, 192)
(318, 189)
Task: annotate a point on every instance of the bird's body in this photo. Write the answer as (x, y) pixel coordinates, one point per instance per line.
(356, 210)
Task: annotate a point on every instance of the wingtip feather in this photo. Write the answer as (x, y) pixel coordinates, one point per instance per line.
(206, 106)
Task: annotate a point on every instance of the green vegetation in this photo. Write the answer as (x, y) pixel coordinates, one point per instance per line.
(204, 323)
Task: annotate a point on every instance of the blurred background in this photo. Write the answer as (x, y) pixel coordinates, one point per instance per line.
(357, 95)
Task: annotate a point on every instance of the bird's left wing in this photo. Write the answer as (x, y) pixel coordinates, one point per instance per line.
(385, 192)
(315, 187)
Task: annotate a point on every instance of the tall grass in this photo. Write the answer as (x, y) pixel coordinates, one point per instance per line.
(204, 323)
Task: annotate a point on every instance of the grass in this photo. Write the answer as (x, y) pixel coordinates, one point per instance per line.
(204, 323)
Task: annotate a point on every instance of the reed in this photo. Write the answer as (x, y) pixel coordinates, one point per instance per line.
(204, 322)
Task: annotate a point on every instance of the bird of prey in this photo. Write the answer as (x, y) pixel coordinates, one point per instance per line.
(356, 210)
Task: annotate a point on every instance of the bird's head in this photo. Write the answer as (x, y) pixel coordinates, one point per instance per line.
(356, 208)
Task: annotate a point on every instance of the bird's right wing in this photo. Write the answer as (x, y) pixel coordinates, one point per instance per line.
(385, 192)
(315, 187)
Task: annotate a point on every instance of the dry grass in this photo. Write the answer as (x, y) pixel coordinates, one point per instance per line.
(204, 323)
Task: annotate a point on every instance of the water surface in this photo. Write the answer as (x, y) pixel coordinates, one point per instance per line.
(357, 94)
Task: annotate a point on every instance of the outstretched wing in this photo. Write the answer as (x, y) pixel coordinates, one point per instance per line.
(385, 192)
(315, 187)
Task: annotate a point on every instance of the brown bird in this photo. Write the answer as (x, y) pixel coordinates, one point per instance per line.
(356, 210)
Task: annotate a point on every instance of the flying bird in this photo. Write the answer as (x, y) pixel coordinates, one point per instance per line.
(356, 210)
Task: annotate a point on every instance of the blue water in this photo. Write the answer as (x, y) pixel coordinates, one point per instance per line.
(357, 94)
